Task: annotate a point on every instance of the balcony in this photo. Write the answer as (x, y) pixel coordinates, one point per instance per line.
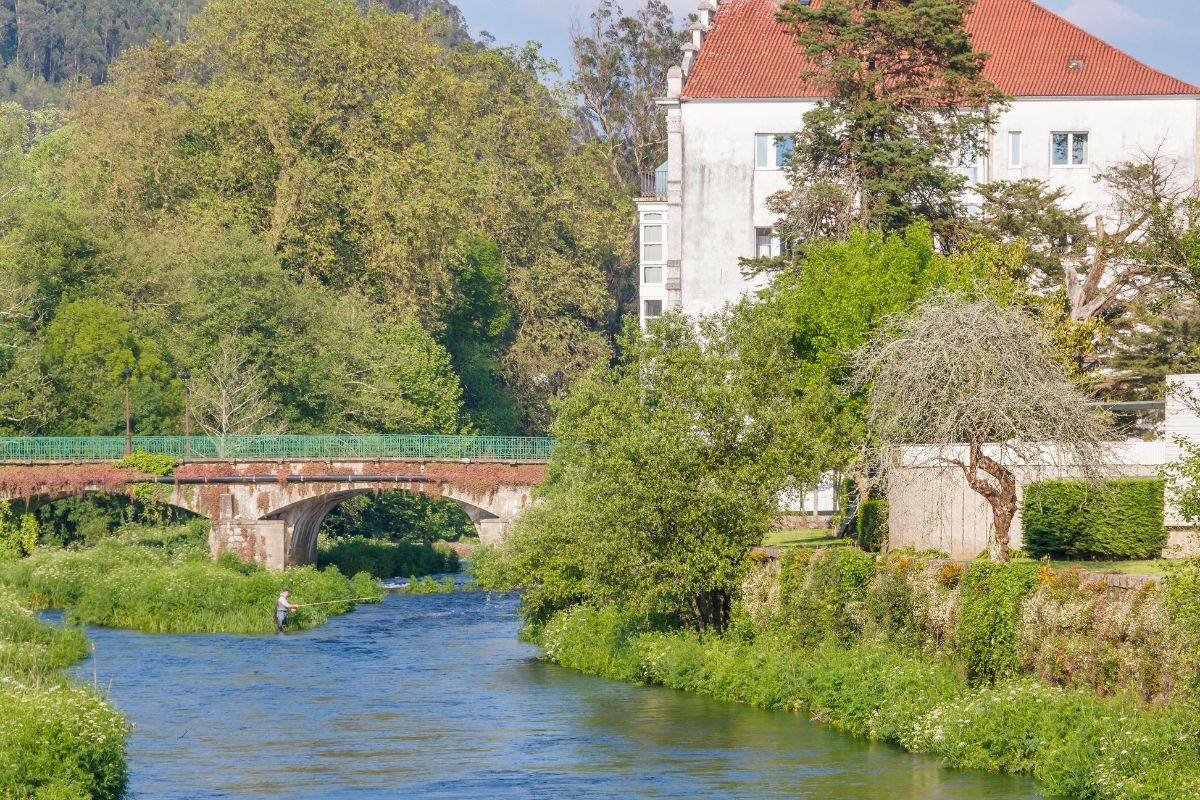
(654, 184)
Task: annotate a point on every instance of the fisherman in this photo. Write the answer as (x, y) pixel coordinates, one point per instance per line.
(282, 607)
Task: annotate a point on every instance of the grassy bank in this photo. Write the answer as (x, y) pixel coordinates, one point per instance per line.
(1077, 744)
(161, 580)
(380, 559)
(59, 740)
(1014, 668)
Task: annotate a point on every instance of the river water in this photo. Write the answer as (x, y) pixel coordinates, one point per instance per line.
(433, 697)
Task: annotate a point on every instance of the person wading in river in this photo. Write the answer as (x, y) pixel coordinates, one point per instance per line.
(282, 607)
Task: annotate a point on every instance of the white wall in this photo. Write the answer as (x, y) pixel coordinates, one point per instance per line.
(931, 506)
(1119, 129)
(724, 195)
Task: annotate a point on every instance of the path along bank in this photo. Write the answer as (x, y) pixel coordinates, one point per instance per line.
(1013, 668)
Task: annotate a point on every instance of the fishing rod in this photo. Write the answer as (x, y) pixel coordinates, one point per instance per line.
(327, 602)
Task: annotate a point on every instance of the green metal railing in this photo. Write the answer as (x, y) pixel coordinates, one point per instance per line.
(199, 448)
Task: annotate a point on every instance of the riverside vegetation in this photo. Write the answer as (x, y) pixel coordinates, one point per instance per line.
(1014, 668)
(59, 739)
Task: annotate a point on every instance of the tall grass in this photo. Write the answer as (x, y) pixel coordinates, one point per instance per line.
(355, 554)
(59, 740)
(162, 581)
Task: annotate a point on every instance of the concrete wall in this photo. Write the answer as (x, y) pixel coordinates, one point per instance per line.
(930, 505)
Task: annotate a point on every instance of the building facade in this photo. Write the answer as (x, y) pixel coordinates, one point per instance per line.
(1079, 106)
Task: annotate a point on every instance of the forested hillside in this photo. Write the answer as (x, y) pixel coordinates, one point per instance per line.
(333, 217)
(48, 46)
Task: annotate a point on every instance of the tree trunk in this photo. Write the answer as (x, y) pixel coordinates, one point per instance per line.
(1001, 494)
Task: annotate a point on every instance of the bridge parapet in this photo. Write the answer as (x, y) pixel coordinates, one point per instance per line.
(79, 449)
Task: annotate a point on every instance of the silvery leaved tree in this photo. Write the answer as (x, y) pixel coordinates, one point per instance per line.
(967, 382)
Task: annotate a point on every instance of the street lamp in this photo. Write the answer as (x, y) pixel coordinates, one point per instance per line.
(186, 375)
(126, 374)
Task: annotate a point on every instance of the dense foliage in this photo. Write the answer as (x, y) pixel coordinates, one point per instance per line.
(354, 554)
(415, 248)
(1073, 519)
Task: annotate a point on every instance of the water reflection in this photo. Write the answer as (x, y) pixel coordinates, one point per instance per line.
(433, 697)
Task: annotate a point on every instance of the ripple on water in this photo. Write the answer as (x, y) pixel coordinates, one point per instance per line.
(432, 696)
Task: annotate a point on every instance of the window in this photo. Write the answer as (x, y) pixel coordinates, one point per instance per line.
(653, 309)
(972, 165)
(1014, 149)
(1069, 149)
(771, 150)
(766, 243)
(654, 247)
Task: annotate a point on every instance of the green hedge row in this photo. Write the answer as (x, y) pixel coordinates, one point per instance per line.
(1073, 519)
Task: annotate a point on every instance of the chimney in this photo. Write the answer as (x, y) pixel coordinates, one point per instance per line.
(674, 83)
(705, 13)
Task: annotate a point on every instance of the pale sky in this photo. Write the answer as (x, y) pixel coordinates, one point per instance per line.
(1162, 33)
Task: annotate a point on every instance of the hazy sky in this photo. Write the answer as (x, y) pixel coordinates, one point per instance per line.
(1162, 33)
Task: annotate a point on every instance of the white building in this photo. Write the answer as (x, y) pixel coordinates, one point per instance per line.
(1080, 105)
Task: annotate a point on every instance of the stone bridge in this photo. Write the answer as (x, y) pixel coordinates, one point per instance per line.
(267, 496)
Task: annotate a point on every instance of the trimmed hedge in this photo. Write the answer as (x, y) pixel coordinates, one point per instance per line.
(1122, 519)
(872, 525)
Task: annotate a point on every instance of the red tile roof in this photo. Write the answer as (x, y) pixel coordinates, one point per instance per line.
(748, 53)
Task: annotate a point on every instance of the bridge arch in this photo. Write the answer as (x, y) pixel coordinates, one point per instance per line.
(303, 518)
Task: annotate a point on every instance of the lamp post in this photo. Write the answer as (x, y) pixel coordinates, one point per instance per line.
(186, 376)
(126, 374)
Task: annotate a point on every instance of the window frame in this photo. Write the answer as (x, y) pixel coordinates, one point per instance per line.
(652, 219)
(772, 150)
(775, 247)
(1017, 138)
(646, 316)
(1071, 134)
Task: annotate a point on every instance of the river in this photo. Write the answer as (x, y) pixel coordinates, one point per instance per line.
(434, 697)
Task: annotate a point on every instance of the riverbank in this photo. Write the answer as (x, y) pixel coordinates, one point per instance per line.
(161, 580)
(59, 738)
(1003, 669)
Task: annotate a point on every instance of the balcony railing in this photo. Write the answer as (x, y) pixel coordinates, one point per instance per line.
(654, 184)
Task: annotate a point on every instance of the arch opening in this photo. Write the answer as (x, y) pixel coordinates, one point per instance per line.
(397, 516)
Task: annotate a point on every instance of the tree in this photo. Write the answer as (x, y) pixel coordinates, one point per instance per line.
(367, 157)
(1142, 245)
(967, 382)
(230, 397)
(907, 102)
(621, 62)
(667, 470)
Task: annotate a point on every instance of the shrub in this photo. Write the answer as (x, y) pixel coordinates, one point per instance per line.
(57, 739)
(1072, 519)
(987, 621)
(872, 525)
(819, 592)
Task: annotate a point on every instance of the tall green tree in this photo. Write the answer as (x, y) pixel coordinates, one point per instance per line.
(368, 156)
(667, 471)
(907, 101)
